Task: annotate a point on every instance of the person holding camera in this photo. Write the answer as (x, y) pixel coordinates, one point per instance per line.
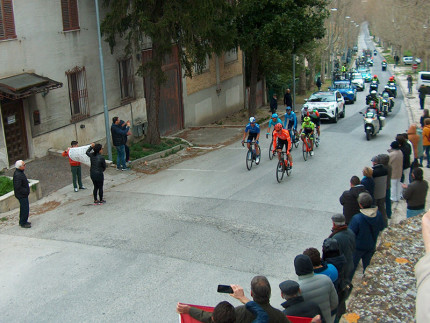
(118, 134)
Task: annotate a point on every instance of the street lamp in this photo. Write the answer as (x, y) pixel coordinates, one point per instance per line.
(331, 35)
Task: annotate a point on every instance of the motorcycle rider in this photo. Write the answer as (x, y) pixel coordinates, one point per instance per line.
(374, 106)
(392, 80)
(375, 79)
(372, 96)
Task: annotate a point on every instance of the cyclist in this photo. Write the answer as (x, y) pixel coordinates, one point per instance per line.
(308, 129)
(283, 137)
(290, 122)
(273, 121)
(253, 131)
(315, 118)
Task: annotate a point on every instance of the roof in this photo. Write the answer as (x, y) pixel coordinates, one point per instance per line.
(24, 85)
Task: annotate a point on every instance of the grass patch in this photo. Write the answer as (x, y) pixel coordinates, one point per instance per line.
(6, 185)
(389, 59)
(141, 149)
(3, 219)
(386, 51)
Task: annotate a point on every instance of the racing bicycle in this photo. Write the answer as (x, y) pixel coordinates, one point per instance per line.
(282, 167)
(306, 147)
(251, 155)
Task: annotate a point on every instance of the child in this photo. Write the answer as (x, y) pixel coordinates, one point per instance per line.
(75, 167)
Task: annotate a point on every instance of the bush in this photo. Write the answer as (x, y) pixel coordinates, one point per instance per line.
(6, 185)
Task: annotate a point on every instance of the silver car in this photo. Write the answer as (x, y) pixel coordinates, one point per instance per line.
(358, 80)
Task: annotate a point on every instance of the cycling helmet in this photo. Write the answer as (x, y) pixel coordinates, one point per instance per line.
(275, 115)
(278, 127)
(252, 120)
(288, 108)
(307, 119)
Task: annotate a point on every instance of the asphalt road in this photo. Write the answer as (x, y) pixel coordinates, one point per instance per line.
(175, 235)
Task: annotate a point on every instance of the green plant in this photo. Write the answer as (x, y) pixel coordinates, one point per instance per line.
(3, 219)
(6, 185)
(407, 53)
(34, 188)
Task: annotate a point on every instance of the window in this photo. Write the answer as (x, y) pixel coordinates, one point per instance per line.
(78, 93)
(203, 68)
(126, 78)
(69, 10)
(230, 56)
(7, 23)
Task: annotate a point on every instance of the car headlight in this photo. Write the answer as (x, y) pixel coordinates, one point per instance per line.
(350, 92)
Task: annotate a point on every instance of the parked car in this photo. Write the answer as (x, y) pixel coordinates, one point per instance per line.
(358, 80)
(346, 88)
(409, 60)
(330, 105)
(365, 72)
(423, 78)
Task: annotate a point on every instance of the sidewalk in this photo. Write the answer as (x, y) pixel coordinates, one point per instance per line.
(387, 291)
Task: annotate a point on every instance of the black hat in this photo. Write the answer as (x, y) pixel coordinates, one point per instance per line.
(289, 287)
(330, 244)
(303, 265)
(395, 145)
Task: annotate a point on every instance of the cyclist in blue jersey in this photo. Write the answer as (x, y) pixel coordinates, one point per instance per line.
(290, 123)
(273, 121)
(253, 131)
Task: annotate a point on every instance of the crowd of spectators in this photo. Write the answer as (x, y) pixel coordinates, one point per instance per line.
(324, 280)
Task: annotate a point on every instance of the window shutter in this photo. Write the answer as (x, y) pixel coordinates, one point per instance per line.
(7, 27)
(69, 11)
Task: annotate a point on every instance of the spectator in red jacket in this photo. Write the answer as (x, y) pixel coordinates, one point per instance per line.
(75, 168)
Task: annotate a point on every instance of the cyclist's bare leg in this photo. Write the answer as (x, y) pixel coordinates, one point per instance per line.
(257, 150)
(248, 145)
(290, 158)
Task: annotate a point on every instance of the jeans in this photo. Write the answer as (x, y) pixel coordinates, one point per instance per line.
(24, 210)
(411, 213)
(120, 158)
(422, 101)
(365, 256)
(127, 153)
(388, 203)
(406, 173)
(76, 174)
(427, 148)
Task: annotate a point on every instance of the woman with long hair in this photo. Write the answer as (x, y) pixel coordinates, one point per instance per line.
(98, 166)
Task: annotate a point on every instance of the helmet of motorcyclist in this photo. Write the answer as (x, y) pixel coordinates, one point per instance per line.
(375, 76)
(252, 120)
(307, 119)
(373, 93)
(274, 116)
(278, 127)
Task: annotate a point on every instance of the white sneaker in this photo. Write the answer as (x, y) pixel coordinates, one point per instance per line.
(312, 153)
(76, 189)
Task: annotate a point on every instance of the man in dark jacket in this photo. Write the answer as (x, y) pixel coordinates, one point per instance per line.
(295, 304)
(288, 100)
(349, 198)
(366, 226)
(274, 103)
(380, 176)
(406, 151)
(260, 292)
(118, 134)
(22, 191)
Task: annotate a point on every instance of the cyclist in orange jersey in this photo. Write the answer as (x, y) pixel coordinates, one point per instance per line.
(283, 137)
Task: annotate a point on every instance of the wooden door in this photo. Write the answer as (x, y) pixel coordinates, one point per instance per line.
(14, 130)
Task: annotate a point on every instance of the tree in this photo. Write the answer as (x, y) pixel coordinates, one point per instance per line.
(197, 28)
(269, 27)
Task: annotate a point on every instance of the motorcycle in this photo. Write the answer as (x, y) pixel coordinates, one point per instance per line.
(384, 66)
(385, 106)
(393, 88)
(373, 86)
(372, 123)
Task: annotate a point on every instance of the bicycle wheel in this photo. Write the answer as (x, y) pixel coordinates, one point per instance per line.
(288, 169)
(249, 159)
(305, 151)
(280, 168)
(270, 150)
(296, 141)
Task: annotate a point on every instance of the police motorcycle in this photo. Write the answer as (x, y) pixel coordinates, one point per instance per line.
(372, 120)
(384, 65)
(392, 87)
(386, 95)
(373, 86)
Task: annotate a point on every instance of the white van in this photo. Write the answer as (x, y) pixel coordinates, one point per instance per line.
(423, 78)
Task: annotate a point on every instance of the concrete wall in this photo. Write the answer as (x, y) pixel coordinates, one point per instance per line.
(10, 202)
(43, 48)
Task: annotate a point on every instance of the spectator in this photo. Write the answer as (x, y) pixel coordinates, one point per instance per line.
(260, 292)
(424, 116)
(346, 240)
(366, 226)
(333, 255)
(75, 168)
(367, 180)
(98, 166)
(380, 177)
(409, 78)
(224, 313)
(426, 139)
(295, 304)
(384, 160)
(118, 134)
(318, 83)
(316, 288)
(349, 198)
(321, 268)
(260, 315)
(415, 193)
(406, 150)
(420, 146)
(422, 94)
(288, 100)
(274, 103)
(127, 149)
(21, 190)
(422, 273)
(396, 163)
(414, 139)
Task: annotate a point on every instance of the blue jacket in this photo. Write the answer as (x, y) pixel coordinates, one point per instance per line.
(369, 184)
(366, 226)
(291, 119)
(118, 134)
(329, 270)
